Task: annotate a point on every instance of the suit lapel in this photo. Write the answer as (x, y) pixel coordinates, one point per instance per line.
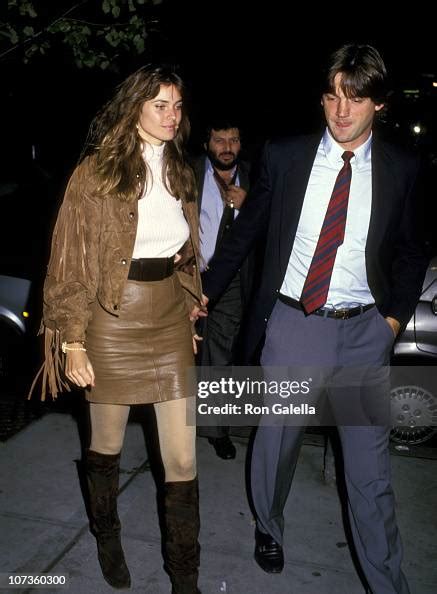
(294, 187)
(383, 195)
(243, 175)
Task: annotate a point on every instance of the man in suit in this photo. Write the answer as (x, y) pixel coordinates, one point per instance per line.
(343, 269)
(223, 181)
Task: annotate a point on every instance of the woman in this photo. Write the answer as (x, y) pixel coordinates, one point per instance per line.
(121, 281)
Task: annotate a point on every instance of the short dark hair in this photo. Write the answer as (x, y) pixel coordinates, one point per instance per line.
(221, 123)
(364, 72)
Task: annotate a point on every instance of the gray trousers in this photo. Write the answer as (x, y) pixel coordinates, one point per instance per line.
(294, 340)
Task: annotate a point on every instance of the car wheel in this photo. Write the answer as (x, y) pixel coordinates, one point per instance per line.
(413, 414)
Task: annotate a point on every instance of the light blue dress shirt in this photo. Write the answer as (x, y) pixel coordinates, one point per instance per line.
(211, 212)
(348, 287)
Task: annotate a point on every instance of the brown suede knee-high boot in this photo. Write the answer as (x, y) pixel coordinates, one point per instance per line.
(181, 546)
(102, 477)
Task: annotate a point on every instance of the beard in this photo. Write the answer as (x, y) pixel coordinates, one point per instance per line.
(215, 160)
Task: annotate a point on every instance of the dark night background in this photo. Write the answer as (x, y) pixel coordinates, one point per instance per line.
(257, 60)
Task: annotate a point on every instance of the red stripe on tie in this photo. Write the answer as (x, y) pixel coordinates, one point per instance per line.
(316, 286)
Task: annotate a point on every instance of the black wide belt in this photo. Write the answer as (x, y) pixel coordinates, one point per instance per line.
(151, 269)
(338, 314)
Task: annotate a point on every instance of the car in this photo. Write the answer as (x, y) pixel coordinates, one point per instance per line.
(14, 322)
(413, 395)
(14, 295)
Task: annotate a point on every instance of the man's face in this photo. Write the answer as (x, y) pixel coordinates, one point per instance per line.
(349, 120)
(223, 147)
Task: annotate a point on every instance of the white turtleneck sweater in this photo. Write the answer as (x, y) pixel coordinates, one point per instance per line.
(162, 228)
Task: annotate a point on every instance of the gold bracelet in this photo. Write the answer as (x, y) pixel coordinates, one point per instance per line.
(65, 347)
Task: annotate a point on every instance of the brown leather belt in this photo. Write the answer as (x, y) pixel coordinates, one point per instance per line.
(338, 314)
(151, 269)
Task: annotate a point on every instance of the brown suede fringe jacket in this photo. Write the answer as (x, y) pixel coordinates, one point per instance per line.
(91, 251)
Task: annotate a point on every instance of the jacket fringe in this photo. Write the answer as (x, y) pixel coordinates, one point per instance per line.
(51, 371)
(70, 230)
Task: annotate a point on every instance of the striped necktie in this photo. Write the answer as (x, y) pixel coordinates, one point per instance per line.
(316, 287)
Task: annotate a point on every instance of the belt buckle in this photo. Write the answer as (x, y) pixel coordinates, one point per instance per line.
(341, 314)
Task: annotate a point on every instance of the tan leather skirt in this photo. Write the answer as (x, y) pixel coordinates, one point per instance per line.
(143, 355)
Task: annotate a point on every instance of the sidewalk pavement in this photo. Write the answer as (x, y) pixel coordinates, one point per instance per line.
(44, 528)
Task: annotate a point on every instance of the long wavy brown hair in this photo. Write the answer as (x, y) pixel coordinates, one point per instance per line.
(116, 146)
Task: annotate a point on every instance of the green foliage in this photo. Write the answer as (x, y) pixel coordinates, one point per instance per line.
(25, 8)
(94, 33)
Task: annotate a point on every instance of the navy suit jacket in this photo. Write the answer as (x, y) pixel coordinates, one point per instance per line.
(395, 256)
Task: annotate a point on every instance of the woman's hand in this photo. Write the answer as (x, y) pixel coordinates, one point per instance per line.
(199, 312)
(196, 339)
(78, 369)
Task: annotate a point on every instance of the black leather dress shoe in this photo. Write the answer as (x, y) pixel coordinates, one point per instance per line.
(268, 553)
(224, 448)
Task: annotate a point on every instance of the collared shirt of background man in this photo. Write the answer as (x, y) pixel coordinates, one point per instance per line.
(223, 181)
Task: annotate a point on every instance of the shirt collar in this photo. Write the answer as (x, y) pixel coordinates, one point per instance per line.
(153, 152)
(334, 151)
